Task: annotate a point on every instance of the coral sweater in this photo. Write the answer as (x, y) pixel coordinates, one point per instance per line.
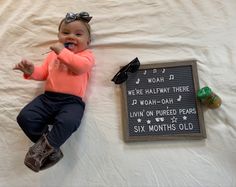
(65, 73)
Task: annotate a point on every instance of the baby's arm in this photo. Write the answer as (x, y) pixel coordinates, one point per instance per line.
(31, 71)
(25, 66)
(77, 63)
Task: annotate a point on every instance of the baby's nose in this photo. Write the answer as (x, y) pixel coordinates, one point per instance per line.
(72, 36)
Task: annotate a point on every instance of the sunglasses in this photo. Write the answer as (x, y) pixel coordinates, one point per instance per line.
(122, 75)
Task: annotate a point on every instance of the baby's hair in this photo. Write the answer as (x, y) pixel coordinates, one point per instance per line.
(85, 24)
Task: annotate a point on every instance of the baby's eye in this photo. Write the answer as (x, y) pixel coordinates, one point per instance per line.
(78, 34)
(65, 32)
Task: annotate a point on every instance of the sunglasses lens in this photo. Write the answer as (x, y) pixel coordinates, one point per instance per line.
(120, 78)
(134, 65)
(134, 68)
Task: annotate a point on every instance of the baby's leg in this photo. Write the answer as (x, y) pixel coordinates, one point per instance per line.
(34, 117)
(66, 122)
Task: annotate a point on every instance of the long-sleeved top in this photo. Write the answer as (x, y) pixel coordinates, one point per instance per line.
(65, 73)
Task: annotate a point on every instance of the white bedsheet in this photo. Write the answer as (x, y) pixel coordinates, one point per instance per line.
(96, 154)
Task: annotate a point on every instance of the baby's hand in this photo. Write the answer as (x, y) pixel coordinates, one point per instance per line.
(25, 66)
(57, 47)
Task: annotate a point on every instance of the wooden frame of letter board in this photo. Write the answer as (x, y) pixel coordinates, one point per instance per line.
(201, 135)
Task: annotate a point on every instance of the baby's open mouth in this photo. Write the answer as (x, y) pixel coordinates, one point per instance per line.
(69, 45)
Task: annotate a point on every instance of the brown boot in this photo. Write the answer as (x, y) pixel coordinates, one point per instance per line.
(36, 155)
(52, 159)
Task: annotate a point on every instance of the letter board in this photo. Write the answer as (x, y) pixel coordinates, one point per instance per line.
(159, 102)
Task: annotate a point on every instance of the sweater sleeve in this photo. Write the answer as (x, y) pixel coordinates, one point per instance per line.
(40, 72)
(78, 63)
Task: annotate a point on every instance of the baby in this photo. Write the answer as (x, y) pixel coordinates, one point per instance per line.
(66, 70)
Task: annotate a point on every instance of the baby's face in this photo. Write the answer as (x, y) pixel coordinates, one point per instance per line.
(75, 35)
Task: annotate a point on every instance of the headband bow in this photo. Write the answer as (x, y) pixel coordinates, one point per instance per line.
(83, 16)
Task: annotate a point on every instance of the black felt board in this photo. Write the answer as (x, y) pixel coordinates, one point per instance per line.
(159, 102)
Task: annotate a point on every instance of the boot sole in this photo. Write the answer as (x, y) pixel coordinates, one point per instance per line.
(31, 167)
(52, 164)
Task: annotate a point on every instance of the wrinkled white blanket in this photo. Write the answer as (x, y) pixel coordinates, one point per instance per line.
(96, 154)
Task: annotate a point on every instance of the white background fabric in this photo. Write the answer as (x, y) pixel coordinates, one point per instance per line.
(154, 31)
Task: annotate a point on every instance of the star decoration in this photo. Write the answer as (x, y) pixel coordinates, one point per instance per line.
(174, 119)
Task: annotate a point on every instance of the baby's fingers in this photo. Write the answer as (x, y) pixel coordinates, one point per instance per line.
(26, 63)
(16, 66)
(19, 66)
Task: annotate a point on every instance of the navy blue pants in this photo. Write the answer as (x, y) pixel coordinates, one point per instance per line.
(63, 111)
